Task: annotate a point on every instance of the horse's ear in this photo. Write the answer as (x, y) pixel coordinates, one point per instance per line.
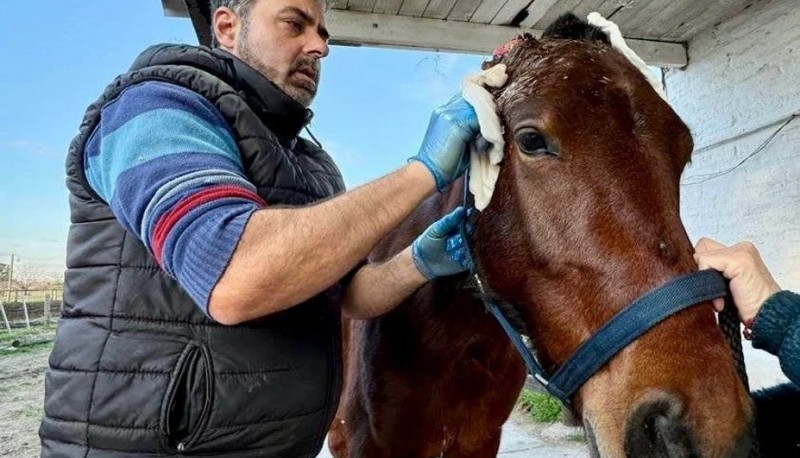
(569, 27)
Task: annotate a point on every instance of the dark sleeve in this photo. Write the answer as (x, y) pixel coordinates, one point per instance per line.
(776, 329)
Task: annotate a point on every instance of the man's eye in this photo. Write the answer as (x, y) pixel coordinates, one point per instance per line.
(295, 25)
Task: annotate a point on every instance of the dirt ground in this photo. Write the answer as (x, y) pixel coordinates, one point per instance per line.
(21, 400)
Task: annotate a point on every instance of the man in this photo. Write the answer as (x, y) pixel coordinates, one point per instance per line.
(202, 295)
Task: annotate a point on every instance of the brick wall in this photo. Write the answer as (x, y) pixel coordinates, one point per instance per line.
(742, 83)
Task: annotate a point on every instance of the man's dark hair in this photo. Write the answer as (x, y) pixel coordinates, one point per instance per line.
(240, 7)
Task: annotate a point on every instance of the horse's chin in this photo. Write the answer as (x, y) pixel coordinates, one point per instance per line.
(602, 444)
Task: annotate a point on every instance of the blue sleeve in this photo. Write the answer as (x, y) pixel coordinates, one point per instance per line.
(776, 329)
(166, 162)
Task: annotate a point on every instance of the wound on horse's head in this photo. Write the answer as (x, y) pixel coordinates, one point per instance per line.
(566, 27)
(501, 51)
(569, 27)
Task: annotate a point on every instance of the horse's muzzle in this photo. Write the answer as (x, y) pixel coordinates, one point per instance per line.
(658, 429)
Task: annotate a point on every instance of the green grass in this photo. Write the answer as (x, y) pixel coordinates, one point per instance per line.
(44, 346)
(20, 333)
(542, 408)
(6, 338)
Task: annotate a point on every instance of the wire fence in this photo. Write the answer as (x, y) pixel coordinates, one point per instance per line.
(26, 308)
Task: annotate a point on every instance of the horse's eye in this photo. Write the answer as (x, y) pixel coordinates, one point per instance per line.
(531, 142)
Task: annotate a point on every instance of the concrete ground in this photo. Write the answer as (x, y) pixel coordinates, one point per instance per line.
(523, 438)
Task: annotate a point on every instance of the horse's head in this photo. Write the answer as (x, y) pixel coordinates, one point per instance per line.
(585, 219)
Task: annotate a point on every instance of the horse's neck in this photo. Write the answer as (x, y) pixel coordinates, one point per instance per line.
(431, 209)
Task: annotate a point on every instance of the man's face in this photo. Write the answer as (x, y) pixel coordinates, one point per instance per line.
(285, 41)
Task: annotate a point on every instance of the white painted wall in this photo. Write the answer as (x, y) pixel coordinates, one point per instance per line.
(741, 85)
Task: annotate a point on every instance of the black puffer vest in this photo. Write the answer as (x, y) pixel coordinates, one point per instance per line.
(137, 368)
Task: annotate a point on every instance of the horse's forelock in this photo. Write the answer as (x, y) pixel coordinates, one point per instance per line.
(570, 27)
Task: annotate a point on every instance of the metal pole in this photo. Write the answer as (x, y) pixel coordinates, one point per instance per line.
(5, 318)
(47, 300)
(25, 308)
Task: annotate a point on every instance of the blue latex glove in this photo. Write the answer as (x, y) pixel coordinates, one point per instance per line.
(451, 128)
(441, 249)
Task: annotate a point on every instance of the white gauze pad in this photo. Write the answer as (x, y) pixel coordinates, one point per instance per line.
(485, 166)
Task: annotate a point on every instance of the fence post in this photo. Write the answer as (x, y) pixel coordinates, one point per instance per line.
(25, 308)
(5, 318)
(47, 301)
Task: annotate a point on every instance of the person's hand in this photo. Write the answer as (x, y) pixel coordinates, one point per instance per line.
(751, 282)
(443, 151)
(441, 249)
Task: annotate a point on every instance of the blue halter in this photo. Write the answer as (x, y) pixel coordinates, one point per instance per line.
(626, 326)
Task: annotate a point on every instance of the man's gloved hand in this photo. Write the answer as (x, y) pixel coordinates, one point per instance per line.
(444, 148)
(441, 249)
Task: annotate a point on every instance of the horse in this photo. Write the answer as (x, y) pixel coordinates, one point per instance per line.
(584, 219)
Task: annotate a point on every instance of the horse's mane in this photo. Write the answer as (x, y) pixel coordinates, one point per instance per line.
(569, 27)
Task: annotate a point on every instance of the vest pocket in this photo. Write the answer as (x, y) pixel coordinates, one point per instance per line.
(187, 404)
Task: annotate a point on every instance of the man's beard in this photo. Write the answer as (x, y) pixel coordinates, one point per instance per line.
(302, 91)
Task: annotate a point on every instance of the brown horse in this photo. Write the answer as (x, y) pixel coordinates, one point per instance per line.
(584, 219)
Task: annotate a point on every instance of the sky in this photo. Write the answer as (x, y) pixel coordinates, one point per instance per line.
(371, 110)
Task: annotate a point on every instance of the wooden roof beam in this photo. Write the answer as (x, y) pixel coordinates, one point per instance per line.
(354, 28)
(357, 29)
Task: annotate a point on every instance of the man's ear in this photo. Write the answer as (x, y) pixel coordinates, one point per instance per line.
(226, 28)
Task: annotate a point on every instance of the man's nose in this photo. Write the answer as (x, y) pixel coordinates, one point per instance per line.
(318, 46)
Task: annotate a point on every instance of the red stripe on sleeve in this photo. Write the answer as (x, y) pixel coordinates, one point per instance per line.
(189, 203)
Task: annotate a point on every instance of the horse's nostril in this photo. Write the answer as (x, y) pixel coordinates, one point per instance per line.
(657, 429)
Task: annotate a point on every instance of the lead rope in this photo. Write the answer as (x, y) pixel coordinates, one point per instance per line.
(729, 324)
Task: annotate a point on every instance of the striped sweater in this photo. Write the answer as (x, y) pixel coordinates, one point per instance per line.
(167, 164)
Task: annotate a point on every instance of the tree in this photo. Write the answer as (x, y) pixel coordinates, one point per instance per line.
(4, 270)
(26, 276)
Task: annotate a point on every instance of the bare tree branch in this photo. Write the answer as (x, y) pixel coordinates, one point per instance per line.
(27, 276)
